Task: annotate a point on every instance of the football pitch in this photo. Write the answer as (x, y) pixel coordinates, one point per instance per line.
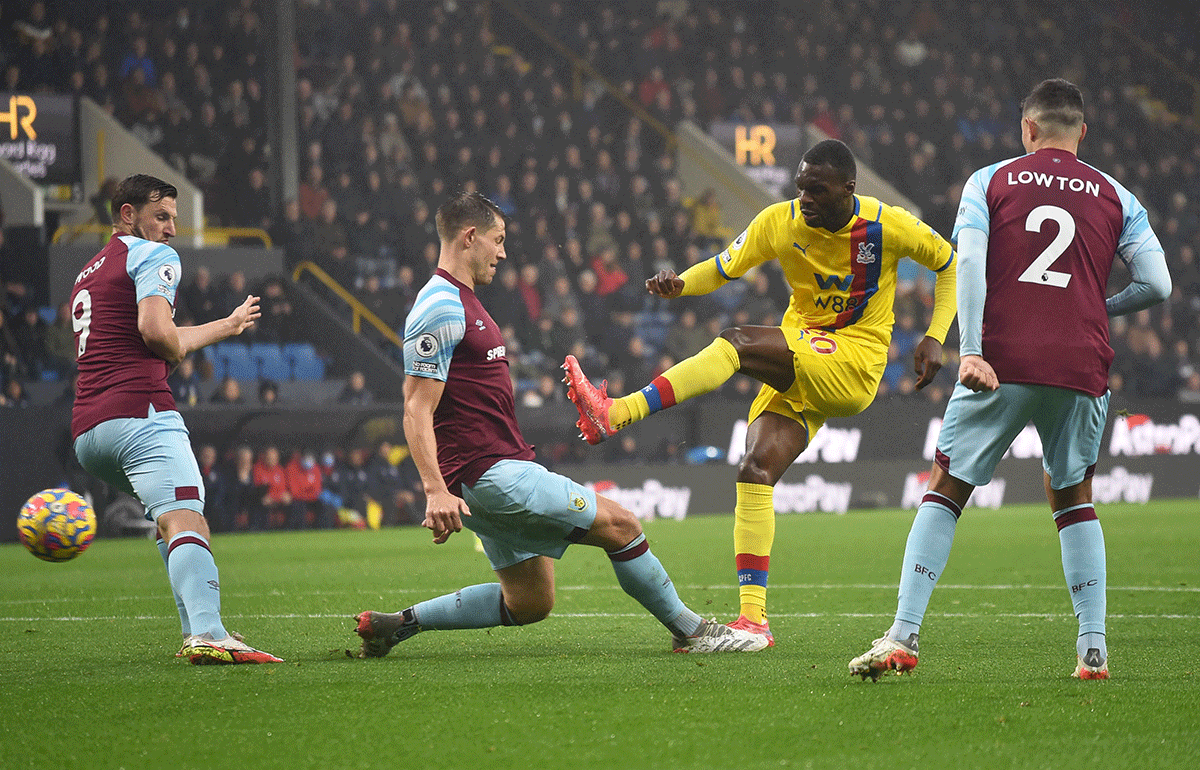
(90, 679)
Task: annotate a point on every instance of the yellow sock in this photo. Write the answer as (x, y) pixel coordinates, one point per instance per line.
(702, 373)
(753, 535)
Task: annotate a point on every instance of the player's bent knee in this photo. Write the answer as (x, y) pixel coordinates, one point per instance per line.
(528, 610)
(615, 526)
(752, 471)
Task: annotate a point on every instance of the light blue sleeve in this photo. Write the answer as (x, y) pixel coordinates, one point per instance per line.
(971, 288)
(973, 208)
(1140, 250)
(435, 325)
(154, 268)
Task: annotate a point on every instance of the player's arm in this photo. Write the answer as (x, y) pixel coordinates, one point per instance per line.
(443, 510)
(1151, 284)
(192, 338)
(173, 343)
(973, 371)
(940, 258)
(748, 250)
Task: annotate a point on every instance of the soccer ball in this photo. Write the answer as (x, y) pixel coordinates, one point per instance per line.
(56, 525)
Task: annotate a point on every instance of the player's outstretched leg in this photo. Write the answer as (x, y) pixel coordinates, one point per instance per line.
(886, 655)
(593, 403)
(477, 606)
(712, 636)
(381, 631)
(601, 416)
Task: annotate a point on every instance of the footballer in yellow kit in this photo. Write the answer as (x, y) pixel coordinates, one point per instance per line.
(839, 321)
(839, 253)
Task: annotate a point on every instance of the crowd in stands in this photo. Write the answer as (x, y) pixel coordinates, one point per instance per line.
(278, 488)
(399, 102)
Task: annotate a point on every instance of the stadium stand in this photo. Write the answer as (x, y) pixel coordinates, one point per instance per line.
(400, 101)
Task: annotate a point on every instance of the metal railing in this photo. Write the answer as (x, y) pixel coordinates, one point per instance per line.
(358, 311)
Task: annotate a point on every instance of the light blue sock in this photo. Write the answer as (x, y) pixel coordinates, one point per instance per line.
(478, 606)
(643, 577)
(193, 576)
(1082, 541)
(183, 617)
(925, 556)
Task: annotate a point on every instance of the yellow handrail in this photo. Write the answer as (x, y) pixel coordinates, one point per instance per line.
(359, 311)
(212, 235)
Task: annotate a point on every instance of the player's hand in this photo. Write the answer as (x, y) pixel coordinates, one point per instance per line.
(977, 374)
(244, 315)
(927, 361)
(443, 515)
(666, 284)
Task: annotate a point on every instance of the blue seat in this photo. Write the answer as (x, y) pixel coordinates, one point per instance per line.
(305, 363)
(232, 359)
(48, 314)
(270, 361)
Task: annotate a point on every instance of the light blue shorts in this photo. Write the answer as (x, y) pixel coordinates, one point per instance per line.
(150, 458)
(979, 428)
(521, 510)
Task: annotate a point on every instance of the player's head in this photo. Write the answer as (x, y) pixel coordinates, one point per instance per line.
(472, 229)
(1052, 111)
(144, 206)
(825, 185)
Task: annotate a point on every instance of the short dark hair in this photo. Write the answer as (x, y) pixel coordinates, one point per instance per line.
(832, 152)
(1057, 105)
(138, 190)
(466, 209)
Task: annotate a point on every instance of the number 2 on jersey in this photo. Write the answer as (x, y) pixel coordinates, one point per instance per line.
(1039, 271)
(81, 318)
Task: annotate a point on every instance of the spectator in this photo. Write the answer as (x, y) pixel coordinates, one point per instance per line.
(228, 392)
(294, 235)
(271, 476)
(185, 383)
(60, 342)
(313, 193)
(202, 301)
(30, 333)
(276, 324)
(244, 497)
(304, 482)
(14, 395)
(216, 490)
(355, 391)
(268, 393)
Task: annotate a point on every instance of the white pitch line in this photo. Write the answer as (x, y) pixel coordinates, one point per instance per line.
(606, 587)
(584, 615)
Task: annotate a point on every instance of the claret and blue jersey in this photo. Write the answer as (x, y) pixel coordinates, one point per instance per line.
(119, 376)
(1053, 225)
(449, 336)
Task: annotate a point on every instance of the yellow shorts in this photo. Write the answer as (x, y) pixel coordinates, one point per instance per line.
(836, 376)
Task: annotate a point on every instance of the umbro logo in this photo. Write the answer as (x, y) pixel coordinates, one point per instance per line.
(214, 585)
(479, 324)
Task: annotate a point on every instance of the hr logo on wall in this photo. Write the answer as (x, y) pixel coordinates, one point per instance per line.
(39, 135)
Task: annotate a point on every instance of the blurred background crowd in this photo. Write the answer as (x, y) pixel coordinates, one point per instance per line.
(401, 101)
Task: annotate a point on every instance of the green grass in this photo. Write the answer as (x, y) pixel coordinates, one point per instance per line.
(90, 681)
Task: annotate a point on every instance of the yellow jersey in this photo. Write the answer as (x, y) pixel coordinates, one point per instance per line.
(844, 281)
